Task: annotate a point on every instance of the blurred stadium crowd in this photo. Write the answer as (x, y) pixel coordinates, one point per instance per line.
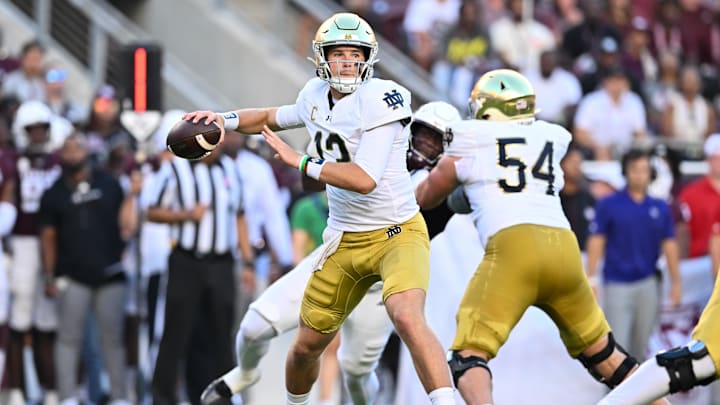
(618, 74)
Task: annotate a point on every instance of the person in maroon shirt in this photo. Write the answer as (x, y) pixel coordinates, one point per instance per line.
(8, 214)
(695, 27)
(666, 35)
(699, 204)
(31, 311)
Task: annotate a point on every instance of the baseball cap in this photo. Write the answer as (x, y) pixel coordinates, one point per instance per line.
(712, 145)
(608, 45)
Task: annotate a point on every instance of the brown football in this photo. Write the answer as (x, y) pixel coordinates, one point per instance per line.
(193, 141)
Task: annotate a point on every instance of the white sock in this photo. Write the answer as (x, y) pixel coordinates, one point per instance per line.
(442, 396)
(363, 389)
(300, 399)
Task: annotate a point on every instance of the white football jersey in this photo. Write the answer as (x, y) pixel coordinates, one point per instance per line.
(335, 135)
(511, 172)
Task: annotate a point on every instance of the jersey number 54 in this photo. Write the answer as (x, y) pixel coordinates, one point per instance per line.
(546, 155)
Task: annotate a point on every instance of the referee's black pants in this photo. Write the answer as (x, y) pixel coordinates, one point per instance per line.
(200, 295)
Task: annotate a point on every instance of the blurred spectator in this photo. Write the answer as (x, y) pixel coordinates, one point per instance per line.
(619, 16)
(610, 119)
(630, 231)
(8, 62)
(6, 143)
(104, 131)
(688, 117)
(659, 92)
(27, 83)
(695, 26)
(8, 214)
(203, 201)
(666, 33)
(492, 10)
(518, 39)
(426, 23)
(57, 99)
(577, 202)
(557, 91)
(715, 246)
(636, 58)
(267, 220)
(32, 312)
(699, 203)
(8, 108)
(308, 219)
(592, 69)
(464, 54)
(585, 37)
(84, 218)
(558, 15)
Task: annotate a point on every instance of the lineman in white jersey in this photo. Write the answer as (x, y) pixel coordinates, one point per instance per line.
(366, 330)
(509, 165)
(375, 231)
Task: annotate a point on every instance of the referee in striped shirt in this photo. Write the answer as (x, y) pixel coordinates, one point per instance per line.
(203, 201)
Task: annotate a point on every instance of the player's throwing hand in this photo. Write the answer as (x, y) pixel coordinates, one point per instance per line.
(284, 151)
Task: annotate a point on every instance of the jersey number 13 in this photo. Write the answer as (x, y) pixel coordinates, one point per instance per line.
(546, 155)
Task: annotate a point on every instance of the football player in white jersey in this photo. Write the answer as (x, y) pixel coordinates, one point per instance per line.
(367, 329)
(509, 165)
(375, 231)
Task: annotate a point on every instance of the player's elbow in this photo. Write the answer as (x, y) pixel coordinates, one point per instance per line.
(365, 185)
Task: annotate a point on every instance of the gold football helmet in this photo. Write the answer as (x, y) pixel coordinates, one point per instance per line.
(502, 95)
(350, 30)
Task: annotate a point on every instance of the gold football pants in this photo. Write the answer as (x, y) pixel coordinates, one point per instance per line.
(528, 265)
(398, 255)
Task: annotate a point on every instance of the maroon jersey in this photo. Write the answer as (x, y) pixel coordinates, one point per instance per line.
(34, 173)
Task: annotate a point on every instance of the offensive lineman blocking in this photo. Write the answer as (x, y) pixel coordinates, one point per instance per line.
(375, 231)
(516, 208)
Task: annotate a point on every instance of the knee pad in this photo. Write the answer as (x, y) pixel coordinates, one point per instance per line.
(459, 365)
(619, 374)
(678, 363)
(255, 327)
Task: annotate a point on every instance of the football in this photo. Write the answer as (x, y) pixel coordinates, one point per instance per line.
(193, 141)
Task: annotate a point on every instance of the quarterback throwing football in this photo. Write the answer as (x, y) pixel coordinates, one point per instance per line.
(375, 231)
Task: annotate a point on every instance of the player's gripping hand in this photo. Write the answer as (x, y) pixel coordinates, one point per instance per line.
(208, 116)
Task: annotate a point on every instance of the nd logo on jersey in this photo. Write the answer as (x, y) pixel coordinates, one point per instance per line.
(394, 99)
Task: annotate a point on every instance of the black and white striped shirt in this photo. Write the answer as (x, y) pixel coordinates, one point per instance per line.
(182, 184)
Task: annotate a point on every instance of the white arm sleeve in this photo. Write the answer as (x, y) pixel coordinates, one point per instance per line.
(375, 147)
(8, 213)
(287, 117)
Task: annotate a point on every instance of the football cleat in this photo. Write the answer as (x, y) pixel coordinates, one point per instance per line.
(236, 380)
